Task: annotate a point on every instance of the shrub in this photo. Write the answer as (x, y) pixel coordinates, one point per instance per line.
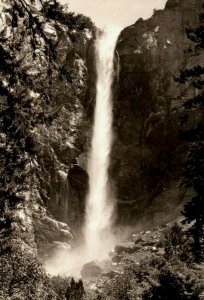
(176, 243)
(22, 276)
(67, 288)
(155, 278)
(174, 281)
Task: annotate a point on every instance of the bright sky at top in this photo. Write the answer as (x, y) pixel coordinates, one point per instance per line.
(115, 13)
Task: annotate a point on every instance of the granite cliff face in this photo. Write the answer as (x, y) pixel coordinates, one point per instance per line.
(148, 151)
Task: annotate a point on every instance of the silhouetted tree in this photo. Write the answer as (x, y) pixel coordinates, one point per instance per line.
(171, 285)
(176, 245)
(194, 166)
(75, 291)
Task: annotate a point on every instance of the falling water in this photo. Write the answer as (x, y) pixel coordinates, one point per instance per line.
(100, 203)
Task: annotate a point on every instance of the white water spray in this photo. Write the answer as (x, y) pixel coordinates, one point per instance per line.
(100, 201)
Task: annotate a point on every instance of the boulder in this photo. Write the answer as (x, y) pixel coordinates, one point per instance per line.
(116, 258)
(78, 177)
(126, 248)
(90, 271)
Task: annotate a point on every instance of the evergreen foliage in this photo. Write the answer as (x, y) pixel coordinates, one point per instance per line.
(75, 291)
(194, 166)
(155, 278)
(174, 281)
(67, 288)
(176, 244)
(23, 277)
(55, 11)
(169, 276)
(20, 112)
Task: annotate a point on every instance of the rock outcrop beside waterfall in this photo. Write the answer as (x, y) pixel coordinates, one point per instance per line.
(148, 154)
(60, 189)
(68, 137)
(57, 142)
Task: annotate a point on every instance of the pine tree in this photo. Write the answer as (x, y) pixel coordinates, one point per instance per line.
(75, 291)
(194, 166)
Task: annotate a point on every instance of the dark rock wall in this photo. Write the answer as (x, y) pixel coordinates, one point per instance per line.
(148, 151)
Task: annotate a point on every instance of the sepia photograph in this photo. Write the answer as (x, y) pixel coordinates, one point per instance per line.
(101, 149)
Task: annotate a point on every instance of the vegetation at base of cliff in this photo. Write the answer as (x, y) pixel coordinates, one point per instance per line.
(154, 279)
(194, 165)
(171, 275)
(68, 289)
(22, 277)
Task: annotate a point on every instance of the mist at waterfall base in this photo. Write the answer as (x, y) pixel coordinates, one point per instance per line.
(98, 237)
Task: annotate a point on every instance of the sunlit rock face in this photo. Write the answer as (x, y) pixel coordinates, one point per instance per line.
(52, 202)
(37, 231)
(68, 137)
(148, 151)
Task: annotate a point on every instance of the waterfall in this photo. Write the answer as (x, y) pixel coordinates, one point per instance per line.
(100, 201)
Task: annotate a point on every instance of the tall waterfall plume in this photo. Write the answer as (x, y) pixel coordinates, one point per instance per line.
(100, 200)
